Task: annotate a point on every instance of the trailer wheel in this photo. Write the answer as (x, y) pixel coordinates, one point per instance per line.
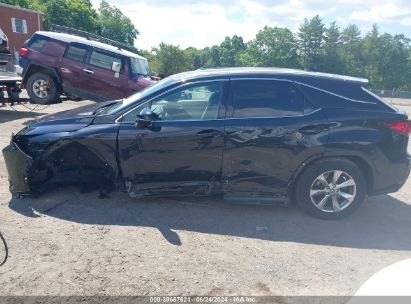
(13, 94)
(43, 89)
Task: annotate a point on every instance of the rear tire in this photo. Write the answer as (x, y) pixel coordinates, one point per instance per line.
(42, 89)
(331, 188)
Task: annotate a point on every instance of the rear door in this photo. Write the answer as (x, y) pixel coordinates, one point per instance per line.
(103, 83)
(71, 67)
(270, 131)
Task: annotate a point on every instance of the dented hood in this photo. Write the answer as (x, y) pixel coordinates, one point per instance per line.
(66, 121)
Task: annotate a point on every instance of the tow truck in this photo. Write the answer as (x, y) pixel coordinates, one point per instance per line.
(10, 81)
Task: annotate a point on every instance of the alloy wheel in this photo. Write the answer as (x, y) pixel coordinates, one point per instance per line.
(333, 191)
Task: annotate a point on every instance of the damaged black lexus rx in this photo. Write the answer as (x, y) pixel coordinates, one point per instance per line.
(251, 135)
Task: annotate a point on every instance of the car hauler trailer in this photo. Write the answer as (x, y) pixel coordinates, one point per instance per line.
(9, 80)
(10, 84)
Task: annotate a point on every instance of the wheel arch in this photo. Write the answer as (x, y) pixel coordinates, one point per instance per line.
(36, 67)
(69, 155)
(358, 160)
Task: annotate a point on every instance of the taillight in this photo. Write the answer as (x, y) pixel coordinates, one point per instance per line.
(403, 126)
(23, 52)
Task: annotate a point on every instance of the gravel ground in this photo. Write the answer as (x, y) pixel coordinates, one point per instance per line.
(67, 243)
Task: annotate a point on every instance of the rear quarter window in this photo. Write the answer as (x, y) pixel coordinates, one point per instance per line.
(37, 42)
(343, 95)
(53, 49)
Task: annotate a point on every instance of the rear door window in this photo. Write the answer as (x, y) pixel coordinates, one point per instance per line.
(76, 52)
(266, 98)
(105, 60)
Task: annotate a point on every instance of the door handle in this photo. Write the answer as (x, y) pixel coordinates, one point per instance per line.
(312, 129)
(88, 71)
(208, 132)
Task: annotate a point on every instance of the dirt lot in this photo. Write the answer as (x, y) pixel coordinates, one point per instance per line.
(67, 243)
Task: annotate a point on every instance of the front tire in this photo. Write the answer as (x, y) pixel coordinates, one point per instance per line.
(331, 188)
(43, 89)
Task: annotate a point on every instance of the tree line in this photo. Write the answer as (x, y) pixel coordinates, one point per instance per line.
(382, 58)
(107, 21)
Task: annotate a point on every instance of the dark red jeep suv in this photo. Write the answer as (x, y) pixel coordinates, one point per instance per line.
(56, 63)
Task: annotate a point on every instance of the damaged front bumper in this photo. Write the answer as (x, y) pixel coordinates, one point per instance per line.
(18, 165)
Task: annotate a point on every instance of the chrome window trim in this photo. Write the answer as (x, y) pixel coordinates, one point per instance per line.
(177, 87)
(260, 78)
(274, 117)
(236, 78)
(307, 85)
(335, 94)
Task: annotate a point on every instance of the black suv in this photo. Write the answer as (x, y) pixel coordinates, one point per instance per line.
(80, 65)
(251, 135)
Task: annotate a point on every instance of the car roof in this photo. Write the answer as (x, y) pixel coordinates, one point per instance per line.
(77, 39)
(250, 72)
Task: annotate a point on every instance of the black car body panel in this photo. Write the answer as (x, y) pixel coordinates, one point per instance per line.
(83, 156)
(63, 148)
(254, 159)
(176, 157)
(382, 152)
(260, 160)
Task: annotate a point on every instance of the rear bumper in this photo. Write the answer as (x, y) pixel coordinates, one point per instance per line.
(18, 165)
(393, 178)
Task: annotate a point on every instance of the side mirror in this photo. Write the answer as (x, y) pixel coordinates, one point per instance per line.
(116, 67)
(145, 118)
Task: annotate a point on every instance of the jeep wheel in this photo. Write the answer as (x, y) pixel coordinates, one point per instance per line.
(42, 89)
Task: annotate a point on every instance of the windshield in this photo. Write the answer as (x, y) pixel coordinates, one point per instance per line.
(139, 66)
(140, 95)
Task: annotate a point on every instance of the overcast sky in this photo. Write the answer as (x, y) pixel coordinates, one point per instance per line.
(203, 23)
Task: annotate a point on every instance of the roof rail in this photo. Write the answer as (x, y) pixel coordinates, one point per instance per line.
(89, 36)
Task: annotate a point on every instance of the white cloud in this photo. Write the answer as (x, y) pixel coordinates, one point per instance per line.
(380, 13)
(206, 22)
(196, 25)
(406, 21)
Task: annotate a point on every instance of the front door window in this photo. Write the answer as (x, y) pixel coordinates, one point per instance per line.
(191, 102)
(199, 101)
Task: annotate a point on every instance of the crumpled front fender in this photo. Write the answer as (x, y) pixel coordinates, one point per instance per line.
(18, 165)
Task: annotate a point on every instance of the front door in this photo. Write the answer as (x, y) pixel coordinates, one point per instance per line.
(181, 152)
(103, 83)
(270, 131)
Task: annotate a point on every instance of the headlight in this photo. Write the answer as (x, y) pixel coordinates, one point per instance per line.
(23, 131)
